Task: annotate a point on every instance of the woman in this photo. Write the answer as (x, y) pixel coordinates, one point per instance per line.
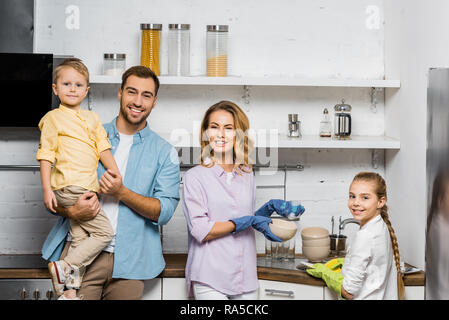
(218, 202)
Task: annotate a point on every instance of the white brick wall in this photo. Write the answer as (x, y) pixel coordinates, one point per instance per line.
(309, 38)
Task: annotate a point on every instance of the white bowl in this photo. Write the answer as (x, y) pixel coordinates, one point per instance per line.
(316, 254)
(285, 230)
(314, 233)
(317, 242)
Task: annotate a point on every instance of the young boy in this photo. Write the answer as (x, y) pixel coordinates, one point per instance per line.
(74, 140)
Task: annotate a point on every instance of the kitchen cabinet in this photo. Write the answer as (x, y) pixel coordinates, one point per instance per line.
(174, 289)
(411, 293)
(288, 291)
(152, 289)
(414, 293)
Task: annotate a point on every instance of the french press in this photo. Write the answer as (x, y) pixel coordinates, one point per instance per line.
(342, 123)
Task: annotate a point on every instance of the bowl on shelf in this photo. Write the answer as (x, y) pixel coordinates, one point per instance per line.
(316, 254)
(285, 230)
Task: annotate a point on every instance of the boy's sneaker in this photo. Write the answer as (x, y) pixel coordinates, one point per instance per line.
(73, 279)
(58, 275)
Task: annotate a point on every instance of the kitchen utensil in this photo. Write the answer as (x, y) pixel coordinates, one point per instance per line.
(217, 50)
(314, 233)
(342, 120)
(316, 254)
(307, 264)
(283, 229)
(337, 244)
(178, 49)
(294, 125)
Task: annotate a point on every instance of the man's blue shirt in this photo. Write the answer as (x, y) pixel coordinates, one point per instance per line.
(152, 171)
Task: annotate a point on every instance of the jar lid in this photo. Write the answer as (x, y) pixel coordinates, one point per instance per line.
(178, 26)
(343, 106)
(150, 26)
(218, 27)
(115, 56)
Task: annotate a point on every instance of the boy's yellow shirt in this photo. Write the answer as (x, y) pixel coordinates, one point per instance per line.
(75, 140)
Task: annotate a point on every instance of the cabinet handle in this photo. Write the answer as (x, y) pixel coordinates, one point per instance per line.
(280, 292)
(23, 294)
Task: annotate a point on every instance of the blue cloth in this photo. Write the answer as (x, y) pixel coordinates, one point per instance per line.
(257, 222)
(152, 171)
(283, 208)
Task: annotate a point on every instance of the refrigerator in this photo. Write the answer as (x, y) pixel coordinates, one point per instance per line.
(437, 169)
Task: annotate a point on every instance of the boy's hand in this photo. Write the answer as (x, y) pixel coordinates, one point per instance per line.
(50, 200)
(111, 183)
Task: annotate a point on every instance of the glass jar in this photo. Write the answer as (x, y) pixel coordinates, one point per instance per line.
(217, 50)
(179, 49)
(151, 46)
(114, 64)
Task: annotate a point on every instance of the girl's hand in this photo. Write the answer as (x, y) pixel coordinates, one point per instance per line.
(50, 200)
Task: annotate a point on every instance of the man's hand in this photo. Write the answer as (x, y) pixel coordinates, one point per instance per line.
(85, 208)
(111, 183)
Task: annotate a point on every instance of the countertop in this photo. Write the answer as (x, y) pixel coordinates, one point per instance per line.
(267, 269)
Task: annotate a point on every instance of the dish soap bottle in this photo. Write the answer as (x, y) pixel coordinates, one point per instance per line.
(325, 125)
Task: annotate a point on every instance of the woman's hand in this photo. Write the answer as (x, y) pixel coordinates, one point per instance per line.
(50, 200)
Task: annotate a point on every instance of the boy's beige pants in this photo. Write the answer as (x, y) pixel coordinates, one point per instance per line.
(90, 237)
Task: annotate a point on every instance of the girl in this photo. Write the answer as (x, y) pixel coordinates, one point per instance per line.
(218, 203)
(371, 269)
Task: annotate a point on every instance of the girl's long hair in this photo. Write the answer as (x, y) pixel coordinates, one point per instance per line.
(242, 143)
(381, 191)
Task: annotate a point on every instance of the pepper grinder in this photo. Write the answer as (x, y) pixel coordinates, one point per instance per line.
(294, 125)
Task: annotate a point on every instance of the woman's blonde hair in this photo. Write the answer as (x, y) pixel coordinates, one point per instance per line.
(381, 192)
(242, 143)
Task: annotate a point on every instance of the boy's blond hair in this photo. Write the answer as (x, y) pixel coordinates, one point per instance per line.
(74, 63)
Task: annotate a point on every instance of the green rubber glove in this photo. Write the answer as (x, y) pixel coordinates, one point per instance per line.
(334, 280)
(335, 264)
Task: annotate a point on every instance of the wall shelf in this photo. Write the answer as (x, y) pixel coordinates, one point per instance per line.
(306, 142)
(260, 81)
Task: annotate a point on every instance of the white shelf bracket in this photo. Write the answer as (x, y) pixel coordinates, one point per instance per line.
(374, 101)
(375, 158)
(246, 94)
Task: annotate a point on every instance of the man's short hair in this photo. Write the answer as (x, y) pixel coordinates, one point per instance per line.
(141, 72)
(74, 63)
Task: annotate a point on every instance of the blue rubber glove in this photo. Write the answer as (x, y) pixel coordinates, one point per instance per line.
(257, 222)
(283, 208)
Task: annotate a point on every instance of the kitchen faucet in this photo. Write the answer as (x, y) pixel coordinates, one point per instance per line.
(343, 223)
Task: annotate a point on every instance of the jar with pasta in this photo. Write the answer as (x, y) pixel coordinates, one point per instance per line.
(151, 46)
(217, 50)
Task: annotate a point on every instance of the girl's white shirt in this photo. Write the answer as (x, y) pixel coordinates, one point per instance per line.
(369, 269)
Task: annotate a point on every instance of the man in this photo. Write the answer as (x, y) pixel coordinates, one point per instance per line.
(136, 204)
